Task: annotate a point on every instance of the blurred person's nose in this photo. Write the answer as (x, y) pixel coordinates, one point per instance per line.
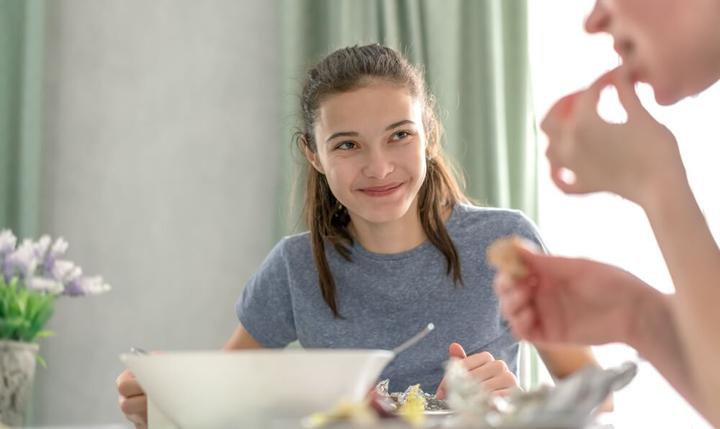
(599, 18)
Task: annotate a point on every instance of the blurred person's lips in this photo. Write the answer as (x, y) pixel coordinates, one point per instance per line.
(623, 47)
(636, 75)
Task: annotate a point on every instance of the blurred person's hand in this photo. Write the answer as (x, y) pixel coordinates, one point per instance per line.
(573, 301)
(632, 159)
(133, 401)
(494, 374)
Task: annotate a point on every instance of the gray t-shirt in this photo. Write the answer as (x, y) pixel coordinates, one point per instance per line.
(386, 298)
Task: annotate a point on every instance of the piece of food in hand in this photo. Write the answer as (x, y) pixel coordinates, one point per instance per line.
(503, 255)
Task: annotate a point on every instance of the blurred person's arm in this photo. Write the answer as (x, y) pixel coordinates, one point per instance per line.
(640, 160)
(693, 259)
(584, 302)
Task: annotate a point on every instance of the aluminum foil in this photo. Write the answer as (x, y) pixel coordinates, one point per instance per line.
(572, 403)
(400, 398)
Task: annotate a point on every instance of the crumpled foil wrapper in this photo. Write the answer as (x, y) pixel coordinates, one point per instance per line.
(572, 403)
(400, 398)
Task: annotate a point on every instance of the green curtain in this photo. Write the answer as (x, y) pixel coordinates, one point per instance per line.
(22, 27)
(475, 57)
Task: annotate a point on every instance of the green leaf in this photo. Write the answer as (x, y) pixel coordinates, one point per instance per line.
(44, 334)
(44, 313)
(41, 361)
(15, 328)
(23, 313)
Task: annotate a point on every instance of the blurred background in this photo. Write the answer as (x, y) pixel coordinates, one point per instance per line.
(156, 138)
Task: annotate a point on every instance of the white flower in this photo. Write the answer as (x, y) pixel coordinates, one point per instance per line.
(22, 261)
(42, 284)
(38, 267)
(95, 286)
(7, 242)
(86, 286)
(58, 248)
(42, 246)
(65, 271)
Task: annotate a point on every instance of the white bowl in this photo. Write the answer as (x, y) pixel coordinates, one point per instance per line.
(218, 389)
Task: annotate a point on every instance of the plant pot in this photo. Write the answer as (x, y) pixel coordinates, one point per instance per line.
(17, 371)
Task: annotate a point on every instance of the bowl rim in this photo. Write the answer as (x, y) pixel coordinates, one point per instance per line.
(124, 357)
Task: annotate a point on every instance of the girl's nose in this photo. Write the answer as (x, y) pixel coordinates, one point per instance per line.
(378, 165)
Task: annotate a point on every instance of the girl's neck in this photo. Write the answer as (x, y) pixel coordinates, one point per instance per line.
(391, 237)
(397, 236)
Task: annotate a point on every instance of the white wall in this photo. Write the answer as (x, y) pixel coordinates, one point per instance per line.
(162, 140)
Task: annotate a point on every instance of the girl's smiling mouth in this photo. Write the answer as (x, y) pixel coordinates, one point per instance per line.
(381, 191)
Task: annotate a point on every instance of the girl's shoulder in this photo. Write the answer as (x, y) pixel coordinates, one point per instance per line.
(468, 214)
(292, 246)
(490, 223)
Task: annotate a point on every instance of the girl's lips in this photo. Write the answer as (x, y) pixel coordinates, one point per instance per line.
(381, 191)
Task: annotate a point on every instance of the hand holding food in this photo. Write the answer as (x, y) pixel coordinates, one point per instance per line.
(570, 300)
(493, 374)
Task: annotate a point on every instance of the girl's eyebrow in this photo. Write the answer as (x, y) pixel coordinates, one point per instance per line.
(355, 134)
(397, 124)
(342, 134)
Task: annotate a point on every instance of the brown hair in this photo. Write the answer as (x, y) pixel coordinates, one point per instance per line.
(341, 71)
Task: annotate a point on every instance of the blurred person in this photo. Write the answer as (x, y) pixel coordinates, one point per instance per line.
(673, 45)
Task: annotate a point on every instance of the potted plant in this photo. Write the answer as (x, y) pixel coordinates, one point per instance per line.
(32, 276)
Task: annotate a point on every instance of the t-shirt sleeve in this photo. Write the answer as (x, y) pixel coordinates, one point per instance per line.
(265, 306)
(526, 228)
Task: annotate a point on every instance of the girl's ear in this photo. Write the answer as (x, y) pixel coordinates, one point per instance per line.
(312, 157)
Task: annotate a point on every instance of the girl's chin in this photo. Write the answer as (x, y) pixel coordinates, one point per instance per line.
(382, 215)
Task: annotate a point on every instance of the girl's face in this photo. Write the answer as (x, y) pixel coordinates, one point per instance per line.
(371, 148)
(674, 45)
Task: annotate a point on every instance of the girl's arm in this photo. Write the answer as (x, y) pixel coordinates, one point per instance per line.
(562, 361)
(241, 339)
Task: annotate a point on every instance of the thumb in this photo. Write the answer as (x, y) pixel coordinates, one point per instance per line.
(457, 351)
(589, 98)
(440, 392)
(625, 86)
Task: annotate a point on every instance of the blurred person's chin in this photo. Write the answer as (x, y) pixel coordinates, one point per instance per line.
(671, 82)
(669, 93)
(667, 96)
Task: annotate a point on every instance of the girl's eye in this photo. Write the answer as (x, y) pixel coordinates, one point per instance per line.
(401, 135)
(345, 145)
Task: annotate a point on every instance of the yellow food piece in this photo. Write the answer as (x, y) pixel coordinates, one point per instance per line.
(503, 255)
(413, 409)
(358, 412)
